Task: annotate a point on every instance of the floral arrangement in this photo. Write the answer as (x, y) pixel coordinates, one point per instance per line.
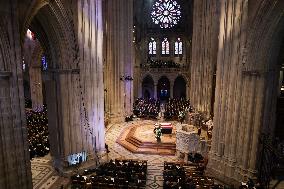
(158, 132)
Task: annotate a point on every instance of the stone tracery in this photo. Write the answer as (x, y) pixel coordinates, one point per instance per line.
(166, 13)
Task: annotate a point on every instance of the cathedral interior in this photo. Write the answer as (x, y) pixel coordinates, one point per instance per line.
(141, 94)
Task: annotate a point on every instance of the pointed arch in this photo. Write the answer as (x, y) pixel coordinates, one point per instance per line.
(165, 47)
(152, 47)
(148, 87)
(163, 88)
(179, 88)
(178, 47)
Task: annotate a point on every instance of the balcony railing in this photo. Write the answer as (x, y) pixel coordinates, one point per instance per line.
(145, 68)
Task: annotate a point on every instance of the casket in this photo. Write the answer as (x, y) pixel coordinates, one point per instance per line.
(166, 128)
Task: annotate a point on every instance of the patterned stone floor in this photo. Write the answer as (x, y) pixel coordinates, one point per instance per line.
(43, 174)
(155, 162)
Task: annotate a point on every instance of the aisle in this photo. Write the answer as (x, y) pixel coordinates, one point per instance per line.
(43, 173)
(155, 175)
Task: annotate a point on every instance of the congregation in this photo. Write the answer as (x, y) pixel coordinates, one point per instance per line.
(146, 108)
(190, 176)
(150, 108)
(114, 174)
(174, 106)
(37, 126)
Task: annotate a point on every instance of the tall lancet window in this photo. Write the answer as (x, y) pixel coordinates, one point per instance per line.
(30, 35)
(44, 63)
(178, 47)
(165, 47)
(152, 47)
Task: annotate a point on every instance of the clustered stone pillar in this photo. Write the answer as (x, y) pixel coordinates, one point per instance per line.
(119, 58)
(204, 53)
(75, 93)
(36, 87)
(90, 37)
(64, 124)
(234, 98)
(155, 90)
(32, 58)
(36, 77)
(15, 168)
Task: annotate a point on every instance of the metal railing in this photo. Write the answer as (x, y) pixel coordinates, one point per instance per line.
(271, 161)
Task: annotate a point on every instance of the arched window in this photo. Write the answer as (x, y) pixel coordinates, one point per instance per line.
(44, 63)
(30, 35)
(165, 47)
(152, 47)
(178, 47)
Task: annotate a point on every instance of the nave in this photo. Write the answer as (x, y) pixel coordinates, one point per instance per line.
(44, 175)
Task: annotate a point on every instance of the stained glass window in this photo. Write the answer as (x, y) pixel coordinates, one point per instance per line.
(44, 63)
(178, 47)
(30, 34)
(166, 13)
(24, 64)
(152, 47)
(165, 47)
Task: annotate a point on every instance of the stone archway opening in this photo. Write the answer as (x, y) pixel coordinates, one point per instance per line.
(163, 89)
(148, 87)
(179, 89)
(36, 112)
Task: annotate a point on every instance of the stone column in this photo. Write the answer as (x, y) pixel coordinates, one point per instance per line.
(32, 56)
(233, 106)
(204, 53)
(36, 87)
(15, 168)
(119, 57)
(172, 83)
(187, 90)
(75, 94)
(139, 87)
(69, 132)
(155, 90)
(90, 37)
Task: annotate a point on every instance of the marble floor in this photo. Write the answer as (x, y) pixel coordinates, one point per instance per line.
(43, 174)
(155, 162)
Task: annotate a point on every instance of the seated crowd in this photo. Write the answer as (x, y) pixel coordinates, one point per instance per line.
(174, 106)
(189, 176)
(37, 127)
(114, 174)
(149, 108)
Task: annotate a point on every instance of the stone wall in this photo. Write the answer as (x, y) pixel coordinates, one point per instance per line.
(15, 171)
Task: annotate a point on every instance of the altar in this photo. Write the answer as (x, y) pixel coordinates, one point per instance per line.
(166, 128)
